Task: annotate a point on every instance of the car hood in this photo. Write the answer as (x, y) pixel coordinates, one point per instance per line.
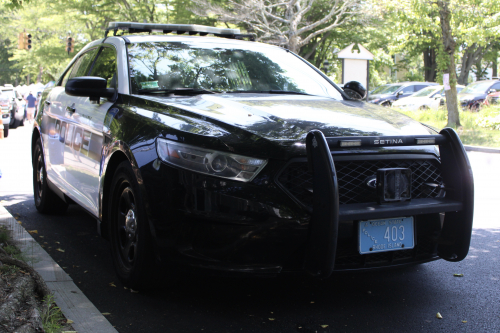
(287, 117)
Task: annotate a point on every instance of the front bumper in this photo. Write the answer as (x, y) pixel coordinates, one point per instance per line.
(454, 238)
(260, 228)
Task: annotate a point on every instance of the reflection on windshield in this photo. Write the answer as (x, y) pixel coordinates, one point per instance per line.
(197, 65)
(379, 90)
(476, 87)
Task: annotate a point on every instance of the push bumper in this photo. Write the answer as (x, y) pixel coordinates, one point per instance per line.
(454, 241)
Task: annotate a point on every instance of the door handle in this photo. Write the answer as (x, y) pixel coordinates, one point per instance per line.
(71, 108)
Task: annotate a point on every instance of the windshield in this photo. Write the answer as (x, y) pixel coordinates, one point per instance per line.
(476, 87)
(425, 92)
(389, 89)
(9, 93)
(222, 67)
(379, 90)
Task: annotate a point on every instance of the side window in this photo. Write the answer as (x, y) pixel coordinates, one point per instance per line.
(419, 87)
(66, 75)
(80, 67)
(83, 64)
(408, 90)
(105, 67)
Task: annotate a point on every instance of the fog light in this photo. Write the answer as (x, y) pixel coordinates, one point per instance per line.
(350, 143)
(394, 184)
(425, 141)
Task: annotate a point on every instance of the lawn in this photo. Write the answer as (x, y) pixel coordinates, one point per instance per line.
(478, 128)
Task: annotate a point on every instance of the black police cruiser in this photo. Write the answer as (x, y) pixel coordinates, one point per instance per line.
(236, 156)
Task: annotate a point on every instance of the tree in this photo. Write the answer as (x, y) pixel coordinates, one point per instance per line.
(290, 23)
(449, 45)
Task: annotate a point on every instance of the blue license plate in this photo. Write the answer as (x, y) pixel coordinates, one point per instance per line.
(386, 235)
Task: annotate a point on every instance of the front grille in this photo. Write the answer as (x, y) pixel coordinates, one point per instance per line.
(352, 176)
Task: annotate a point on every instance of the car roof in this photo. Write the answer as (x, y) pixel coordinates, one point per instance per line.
(410, 83)
(199, 39)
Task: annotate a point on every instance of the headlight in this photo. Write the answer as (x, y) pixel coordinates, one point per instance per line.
(210, 162)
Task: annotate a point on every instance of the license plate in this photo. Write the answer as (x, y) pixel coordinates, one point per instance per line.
(386, 235)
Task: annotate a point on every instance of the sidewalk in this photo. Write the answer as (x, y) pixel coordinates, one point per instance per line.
(73, 303)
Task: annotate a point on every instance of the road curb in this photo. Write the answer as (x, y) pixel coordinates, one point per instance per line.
(69, 298)
(482, 149)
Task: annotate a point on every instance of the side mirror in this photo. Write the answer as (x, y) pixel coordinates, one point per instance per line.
(355, 90)
(92, 87)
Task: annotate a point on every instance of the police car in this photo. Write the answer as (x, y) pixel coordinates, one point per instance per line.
(201, 147)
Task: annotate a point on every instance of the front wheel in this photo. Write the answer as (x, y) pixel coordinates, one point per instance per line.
(131, 241)
(46, 201)
(13, 120)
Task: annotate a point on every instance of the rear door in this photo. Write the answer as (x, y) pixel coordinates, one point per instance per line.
(84, 139)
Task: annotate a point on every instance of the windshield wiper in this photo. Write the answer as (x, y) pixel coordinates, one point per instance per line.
(176, 91)
(284, 92)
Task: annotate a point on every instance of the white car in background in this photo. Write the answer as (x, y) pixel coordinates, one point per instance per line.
(428, 98)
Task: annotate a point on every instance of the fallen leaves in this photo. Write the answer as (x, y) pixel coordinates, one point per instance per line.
(60, 250)
(69, 321)
(324, 326)
(33, 232)
(458, 275)
(271, 319)
(112, 284)
(438, 316)
(105, 313)
(464, 321)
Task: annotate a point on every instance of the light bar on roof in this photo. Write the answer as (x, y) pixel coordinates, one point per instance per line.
(167, 28)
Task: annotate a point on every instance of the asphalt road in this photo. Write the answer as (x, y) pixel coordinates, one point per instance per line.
(396, 300)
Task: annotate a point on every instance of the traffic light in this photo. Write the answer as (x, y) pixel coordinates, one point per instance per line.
(21, 46)
(28, 41)
(69, 44)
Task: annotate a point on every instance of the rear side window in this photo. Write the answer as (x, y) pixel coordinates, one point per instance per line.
(105, 67)
(420, 86)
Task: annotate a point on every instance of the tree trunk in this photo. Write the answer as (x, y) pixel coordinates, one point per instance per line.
(430, 65)
(494, 67)
(449, 47)
(472, 55)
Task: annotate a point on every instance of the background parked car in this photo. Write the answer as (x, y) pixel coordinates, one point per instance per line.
(5, 114)
(17, 106)
(386, 95)
(428, 98)
(492, 99)
(475, 93)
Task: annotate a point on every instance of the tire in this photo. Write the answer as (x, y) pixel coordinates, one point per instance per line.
(423, 108)
(13, 120)
(5, 130)
(46, 201)
(131, 240)
(386, 104)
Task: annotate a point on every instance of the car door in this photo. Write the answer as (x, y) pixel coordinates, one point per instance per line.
(58, 124)
(55, 122)
(84, 137)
